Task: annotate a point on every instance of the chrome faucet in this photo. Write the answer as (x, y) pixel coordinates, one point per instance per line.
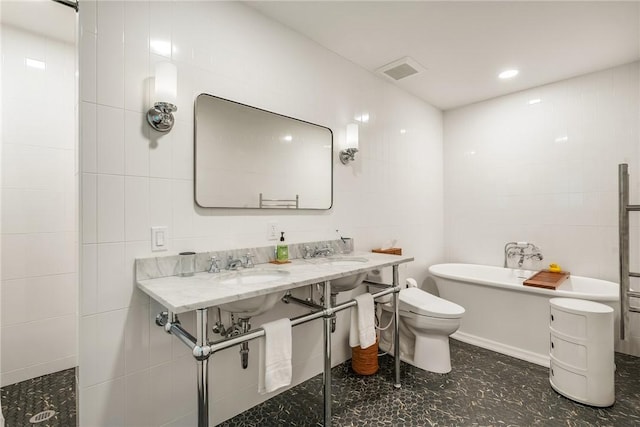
(523, 250)
(308, 253)
(324, 251)
(247, 261)
(535, 254)
(233, 264)
(214, 267)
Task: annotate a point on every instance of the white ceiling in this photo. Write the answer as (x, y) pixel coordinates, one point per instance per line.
(464, 45)
(43, 17)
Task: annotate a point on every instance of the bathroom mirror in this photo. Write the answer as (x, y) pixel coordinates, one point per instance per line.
(246, 157)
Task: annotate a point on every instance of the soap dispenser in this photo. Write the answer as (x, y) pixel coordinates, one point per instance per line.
(282, 250)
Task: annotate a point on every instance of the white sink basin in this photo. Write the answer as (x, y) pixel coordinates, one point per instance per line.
(346, 261)
(254, 306)
(340, 260)
(249, 277)
(348, 283)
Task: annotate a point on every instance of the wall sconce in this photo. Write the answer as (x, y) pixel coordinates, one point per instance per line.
(160, 117)
(348, 153)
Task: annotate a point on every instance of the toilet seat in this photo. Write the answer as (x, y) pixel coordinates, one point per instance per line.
(419, 302)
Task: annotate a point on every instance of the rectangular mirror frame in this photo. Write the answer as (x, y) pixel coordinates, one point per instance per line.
(232, 171)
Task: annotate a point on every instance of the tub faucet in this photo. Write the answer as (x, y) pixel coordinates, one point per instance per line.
(523, 250)
(535, 253)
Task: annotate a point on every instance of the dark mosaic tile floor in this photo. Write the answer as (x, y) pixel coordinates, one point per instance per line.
(55, 392)
(484, 389)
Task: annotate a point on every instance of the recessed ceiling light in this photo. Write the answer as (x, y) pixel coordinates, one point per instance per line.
(508, 74)
(535, 101)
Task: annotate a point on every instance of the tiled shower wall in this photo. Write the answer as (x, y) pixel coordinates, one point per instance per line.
(542, 166)
(39, 204)
(131, 372)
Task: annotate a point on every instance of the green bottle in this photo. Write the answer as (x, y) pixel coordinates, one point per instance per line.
(282, 250)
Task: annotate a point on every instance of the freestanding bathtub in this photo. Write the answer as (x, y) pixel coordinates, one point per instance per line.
(505, 316)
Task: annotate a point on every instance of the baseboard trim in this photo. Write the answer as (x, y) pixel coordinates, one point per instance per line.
(518, 353)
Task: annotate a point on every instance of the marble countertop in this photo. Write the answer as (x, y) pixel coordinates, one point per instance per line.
(202, 290)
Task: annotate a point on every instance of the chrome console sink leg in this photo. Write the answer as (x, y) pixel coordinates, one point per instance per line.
(327, 354)
(396, 328)
(202, 362)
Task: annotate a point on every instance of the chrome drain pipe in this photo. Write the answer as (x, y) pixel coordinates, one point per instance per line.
(244, 347)
(333, 299)
(287, 298)
(376, 284)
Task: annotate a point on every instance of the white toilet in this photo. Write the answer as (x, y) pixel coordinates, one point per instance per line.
(426, 321)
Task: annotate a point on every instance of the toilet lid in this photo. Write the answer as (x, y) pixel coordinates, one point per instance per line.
(420, 302)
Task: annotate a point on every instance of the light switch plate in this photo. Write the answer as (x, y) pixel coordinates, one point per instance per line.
(272, 230)
(160, 238)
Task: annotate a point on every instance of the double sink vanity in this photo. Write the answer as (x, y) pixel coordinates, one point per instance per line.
(248, 292)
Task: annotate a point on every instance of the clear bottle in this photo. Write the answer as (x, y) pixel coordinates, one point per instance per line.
(187, 264)
(282, 250)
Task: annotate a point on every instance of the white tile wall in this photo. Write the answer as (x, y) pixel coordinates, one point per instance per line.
(110, 208)
(105, 404)
(133, 372)
(39, 279)
(509, 176)
(110, 54)
(545, 173)
(110, 140)
(102, 347)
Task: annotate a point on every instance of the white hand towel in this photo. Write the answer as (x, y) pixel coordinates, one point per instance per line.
(275, 356)
(363, 331)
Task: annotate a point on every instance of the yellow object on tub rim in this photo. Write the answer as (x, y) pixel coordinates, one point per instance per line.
(555, 268)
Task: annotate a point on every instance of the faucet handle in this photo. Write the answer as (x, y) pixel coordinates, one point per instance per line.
(248, 260)
(327, 249)
(214, 267)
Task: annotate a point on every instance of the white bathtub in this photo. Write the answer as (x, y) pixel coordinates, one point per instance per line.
(505, 316)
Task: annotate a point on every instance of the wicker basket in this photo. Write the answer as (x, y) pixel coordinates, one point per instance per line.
(365, 361)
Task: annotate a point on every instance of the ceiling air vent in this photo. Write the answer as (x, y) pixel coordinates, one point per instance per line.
(401, 68)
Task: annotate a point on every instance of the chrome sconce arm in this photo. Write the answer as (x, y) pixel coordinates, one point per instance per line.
(160, 117)
(347, 155)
